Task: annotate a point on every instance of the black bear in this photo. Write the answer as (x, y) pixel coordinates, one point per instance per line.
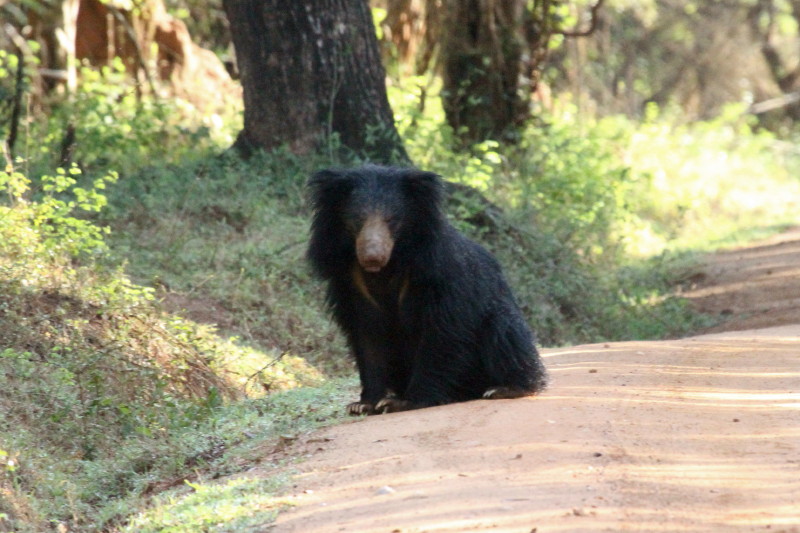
(427, 312)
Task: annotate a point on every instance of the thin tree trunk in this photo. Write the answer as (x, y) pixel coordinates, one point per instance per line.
(482, 68)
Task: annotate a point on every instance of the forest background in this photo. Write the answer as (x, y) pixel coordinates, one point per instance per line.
(159, 329)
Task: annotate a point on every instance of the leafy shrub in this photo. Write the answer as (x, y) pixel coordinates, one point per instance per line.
(107, 123)
(703, 182)
(95, 381)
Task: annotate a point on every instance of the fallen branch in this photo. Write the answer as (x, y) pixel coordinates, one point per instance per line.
(774, 103)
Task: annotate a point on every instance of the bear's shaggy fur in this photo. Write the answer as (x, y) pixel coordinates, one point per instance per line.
(427, 312)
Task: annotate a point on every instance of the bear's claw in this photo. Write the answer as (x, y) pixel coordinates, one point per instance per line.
(505, 393)
(392, 404)
(360, 408)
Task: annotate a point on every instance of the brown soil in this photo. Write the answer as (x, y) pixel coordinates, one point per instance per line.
(752, 287)
(699, 434)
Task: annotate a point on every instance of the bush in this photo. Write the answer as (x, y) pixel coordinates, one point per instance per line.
(702, 183)
(99, 389)
(108, 124)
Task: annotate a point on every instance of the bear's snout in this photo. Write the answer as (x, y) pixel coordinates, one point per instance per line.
(374, 244)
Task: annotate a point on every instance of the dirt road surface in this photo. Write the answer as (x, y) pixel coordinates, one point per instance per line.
(693, 435)
(754, 286)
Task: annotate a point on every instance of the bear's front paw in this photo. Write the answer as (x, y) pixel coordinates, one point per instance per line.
(393, 404)
(360, 408)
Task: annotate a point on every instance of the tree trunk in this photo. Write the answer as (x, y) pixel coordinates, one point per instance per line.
(484, 95)
(309, 70)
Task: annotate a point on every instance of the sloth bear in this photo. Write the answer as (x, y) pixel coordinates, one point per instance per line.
(427, 312)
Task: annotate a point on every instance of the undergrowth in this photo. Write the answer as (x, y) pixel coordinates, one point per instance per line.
(103, 395)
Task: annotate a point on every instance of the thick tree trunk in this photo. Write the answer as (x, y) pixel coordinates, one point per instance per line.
(311, 69)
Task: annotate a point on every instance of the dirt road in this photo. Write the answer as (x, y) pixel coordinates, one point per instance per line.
(699, 434)
(753, 286)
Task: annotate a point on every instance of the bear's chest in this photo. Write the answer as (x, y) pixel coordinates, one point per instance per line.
(385, 293)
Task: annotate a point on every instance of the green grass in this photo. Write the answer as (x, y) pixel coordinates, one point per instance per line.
(107, 399)
(238, 500)
(242, 504)
(232, 236)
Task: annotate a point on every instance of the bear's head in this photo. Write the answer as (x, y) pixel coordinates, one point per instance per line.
(366, 211)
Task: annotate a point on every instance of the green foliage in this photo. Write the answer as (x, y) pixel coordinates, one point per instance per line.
(109, 124)
(571, 185)
(101, 392)
(705, 181)
(568, 184)
(53, 218)
(206, 22)
(242, 502)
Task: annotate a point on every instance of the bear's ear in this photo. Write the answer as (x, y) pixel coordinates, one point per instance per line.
(424, 187)
(329, 186)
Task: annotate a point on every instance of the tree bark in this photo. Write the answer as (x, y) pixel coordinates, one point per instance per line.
(482, 68)
(492, 55)
(310, 70)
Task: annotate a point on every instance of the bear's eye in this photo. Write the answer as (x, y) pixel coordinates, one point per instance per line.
(392, 221)
(352, 224)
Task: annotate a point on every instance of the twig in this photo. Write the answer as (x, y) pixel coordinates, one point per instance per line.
(774, 103)
(260, 370)
(68, 146)
(7, 156)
